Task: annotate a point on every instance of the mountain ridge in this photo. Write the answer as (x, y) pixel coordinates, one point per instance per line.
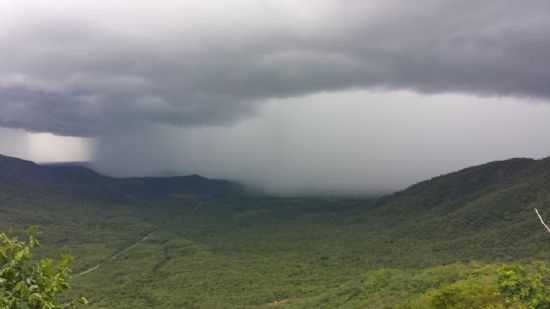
(81, 180)
(429, 193)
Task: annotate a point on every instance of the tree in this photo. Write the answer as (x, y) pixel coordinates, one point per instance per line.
(26, 283)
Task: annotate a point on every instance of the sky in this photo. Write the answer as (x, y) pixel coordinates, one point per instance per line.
(289, 96)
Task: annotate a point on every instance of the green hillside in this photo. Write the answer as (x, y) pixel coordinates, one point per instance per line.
(443, 240)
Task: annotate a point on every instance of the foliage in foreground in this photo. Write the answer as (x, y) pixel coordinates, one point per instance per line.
(29, 284)
(522, 285)
(515, 285)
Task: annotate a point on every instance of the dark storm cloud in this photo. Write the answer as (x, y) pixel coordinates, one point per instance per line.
(91, 68)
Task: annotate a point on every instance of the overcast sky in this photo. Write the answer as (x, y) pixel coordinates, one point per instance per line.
(288, 95)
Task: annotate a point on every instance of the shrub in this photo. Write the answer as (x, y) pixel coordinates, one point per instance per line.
(26, 283)
(466, 294)
(528, 285)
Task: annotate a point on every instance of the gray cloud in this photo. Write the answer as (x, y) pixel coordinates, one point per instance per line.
(89, 68)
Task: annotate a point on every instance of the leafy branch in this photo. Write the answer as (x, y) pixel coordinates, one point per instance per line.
(29, 283)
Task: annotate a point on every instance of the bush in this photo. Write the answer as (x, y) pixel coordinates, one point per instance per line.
(522, 286)
(26, 283)
(466, 294)
(528, 285)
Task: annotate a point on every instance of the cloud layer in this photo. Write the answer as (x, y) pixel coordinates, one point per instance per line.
(97, 68)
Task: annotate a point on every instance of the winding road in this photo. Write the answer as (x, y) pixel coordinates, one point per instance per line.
(114, 256)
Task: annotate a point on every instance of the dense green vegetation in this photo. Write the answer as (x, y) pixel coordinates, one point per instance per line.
(465, 240)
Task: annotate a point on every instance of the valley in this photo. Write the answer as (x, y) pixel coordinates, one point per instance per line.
(256, 251)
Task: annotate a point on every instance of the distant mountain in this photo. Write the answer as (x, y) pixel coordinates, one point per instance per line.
(77, 179)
